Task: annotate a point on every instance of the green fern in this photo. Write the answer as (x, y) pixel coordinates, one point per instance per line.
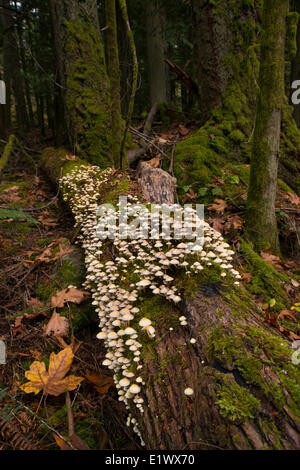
(16, 215)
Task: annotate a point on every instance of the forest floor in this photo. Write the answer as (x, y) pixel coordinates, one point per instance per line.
(33, 242)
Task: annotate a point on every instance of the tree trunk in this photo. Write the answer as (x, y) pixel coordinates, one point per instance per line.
(156, 52)
(261, 224)
(12, 64)
(241, 372)
(114, 79)
(59, 73)
(212, 42)
(296, 66)
(81, 63)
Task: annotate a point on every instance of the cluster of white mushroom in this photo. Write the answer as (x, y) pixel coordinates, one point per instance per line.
(150, 264)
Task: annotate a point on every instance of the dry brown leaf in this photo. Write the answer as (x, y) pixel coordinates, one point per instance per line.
(183, 130)
(48, 222)
(287, 314)
(294, 283)
(101, 384)
(10, 194)
(191, 195)
(75, 440)
(271, 259)
(234, 222)
(292, 198)
(217, 224)
(37, 355)
(246, 276)
(71, 294)
(218, 206)
(53, 381)
(57, 326)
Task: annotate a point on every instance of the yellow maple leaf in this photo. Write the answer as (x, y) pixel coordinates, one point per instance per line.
(53, 381)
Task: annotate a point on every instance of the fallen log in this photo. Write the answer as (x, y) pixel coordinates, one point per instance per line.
(221, 378)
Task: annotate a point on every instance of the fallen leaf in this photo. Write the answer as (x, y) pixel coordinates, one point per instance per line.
(57, 326)
(37, 355)
(190, 196)
(47, 222)
(292, 198)
(234, 222)
(75, 440)
(217, 224)
(294, 283)
(219, 206)
(182, 130)
(101, 384)
(246, 276)
(53, 381)
(70, 157)
(271, 259)
(71, 294)
(287, 314)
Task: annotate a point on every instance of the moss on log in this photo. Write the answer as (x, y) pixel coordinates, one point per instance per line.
(246, 388)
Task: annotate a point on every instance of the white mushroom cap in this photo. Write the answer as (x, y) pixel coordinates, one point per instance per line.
(188, 391)
(135, 388)
(145, 322)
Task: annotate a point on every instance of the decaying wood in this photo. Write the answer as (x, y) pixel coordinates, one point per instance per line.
(155, 184)
(173, 420)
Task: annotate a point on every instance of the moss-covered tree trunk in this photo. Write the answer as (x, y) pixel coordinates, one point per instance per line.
(296, 65)
(246, 388)
(114, 78)
(261, 224)
(12, 66)
(82, 68)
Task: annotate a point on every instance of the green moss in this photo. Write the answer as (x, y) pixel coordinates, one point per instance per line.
(237, 136)
(87, 96)
(265, 280)
(236, 402)
(59, 417)
(291, 41)
(251, 351)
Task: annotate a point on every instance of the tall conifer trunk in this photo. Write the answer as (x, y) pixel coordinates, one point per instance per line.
(261, 225)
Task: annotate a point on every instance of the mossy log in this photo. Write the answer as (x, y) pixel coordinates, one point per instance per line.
(246, 387)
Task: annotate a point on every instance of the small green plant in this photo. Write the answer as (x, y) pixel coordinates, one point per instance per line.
(16, 215)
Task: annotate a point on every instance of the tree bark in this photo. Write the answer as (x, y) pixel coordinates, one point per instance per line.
(82, 72)
(12, 71)
(156, 52)
(295, 75)
(239, 369)
(114, 78)
(261, 224)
